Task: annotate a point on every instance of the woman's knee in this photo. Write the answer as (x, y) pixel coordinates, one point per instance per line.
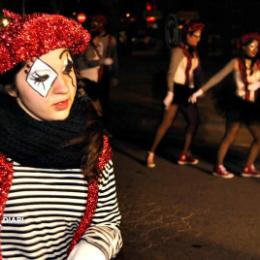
(193, 121)
(166, 124)
(193, 125)
(255, 132)
(229, 139)
(256, 140)
(168, 118)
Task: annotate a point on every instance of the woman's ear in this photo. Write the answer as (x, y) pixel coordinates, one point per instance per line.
(10, 90)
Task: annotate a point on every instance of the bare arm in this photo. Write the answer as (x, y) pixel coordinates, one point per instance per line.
(220, 75)
(176, 57)
(214, 80)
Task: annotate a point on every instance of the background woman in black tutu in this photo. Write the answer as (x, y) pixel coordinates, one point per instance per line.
(183, 67)
(240, 104)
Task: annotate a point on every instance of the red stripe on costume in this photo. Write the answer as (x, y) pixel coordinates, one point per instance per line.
(6, 177)
(242, 69)
(91, 204)
(92, 198)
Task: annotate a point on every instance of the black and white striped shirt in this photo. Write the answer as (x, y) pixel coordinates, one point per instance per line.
(44, 208)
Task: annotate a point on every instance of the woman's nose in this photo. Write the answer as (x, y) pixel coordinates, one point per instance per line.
(61, 85)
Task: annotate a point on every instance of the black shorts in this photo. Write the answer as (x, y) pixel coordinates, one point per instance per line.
(182, 94)
(242, 111)
(234, 108)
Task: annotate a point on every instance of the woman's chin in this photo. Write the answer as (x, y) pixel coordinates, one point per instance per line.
(59, 116)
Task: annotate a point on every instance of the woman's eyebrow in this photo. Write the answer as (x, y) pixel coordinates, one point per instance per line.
(62, 53)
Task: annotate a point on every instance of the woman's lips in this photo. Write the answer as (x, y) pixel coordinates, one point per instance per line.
(63, 105)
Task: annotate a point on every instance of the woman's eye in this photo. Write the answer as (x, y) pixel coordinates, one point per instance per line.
(68, 67)
(38, 79)
(41, 77)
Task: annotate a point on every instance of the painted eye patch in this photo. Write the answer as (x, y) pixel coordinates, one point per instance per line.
(41, 77)
(68, 66)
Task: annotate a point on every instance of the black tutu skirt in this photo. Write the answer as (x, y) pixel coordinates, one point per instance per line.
(182, 94)
(234, 108)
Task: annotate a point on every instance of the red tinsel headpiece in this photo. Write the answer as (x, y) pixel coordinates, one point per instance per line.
(247, 38)
(33, 35)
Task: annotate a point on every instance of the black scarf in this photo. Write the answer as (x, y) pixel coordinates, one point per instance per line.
(42, 143)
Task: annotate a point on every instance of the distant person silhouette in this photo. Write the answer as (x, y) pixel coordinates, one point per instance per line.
(100, 63)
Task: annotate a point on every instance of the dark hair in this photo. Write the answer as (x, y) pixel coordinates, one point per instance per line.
(8, 78)
(93, 145)
(93, 135)
(190, 27)
(98, 23)
(246, 39)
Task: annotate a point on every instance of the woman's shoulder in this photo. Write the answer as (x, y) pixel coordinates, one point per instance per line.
(234, 62)
(177, 51)
(231, 65)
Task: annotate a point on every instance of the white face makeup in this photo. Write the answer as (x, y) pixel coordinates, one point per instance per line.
(194, 38)
(252, 48)
(46, 88)
(41, 77)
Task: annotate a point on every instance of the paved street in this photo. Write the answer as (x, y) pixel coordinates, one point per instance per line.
(177, 212)
(174, 212)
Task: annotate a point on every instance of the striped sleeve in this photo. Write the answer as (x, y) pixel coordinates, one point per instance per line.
(104, 232)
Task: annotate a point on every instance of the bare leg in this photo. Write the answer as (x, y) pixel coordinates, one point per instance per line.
(254, 149)
(191, 115)
(228, 139)
(168, 117)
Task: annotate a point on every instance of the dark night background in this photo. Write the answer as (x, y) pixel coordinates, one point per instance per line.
(226, 18)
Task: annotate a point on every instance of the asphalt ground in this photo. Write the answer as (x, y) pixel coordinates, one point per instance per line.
(172, 211)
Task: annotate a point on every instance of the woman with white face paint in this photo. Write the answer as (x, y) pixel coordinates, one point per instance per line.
(57, 187)
(240, 107)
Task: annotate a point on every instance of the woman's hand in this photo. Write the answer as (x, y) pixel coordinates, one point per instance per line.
(168, 99)
(83, 250)
(195, 95)
(108, 61)
(254, 86)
